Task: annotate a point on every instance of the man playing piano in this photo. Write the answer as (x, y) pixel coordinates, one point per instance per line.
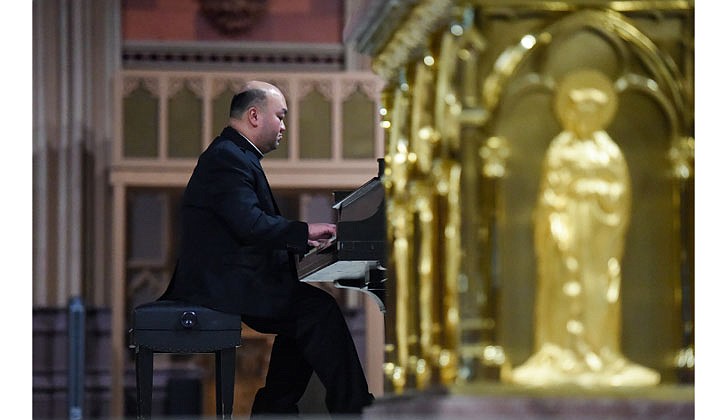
(237, 254)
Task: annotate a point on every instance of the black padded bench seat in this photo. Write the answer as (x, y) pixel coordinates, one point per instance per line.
(166, 326)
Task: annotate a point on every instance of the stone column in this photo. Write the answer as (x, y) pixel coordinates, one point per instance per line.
(76, 50)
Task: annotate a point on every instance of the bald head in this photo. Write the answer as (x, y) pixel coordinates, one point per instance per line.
(257, 84)
(257, 113)
(253, 94)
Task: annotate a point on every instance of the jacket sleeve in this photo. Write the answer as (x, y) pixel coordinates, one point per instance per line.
(236, 196)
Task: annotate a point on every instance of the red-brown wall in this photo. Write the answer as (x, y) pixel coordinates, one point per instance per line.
(308, 21)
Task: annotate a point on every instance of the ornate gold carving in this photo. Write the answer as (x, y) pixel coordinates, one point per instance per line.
(494, 153)
(682, 157)
(446, 162)
(610, 24)
(446, 171)
(422, 194)
(447, 106)
(420, 23)
(399, 215)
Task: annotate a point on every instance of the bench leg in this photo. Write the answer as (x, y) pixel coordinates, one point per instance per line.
(144, 368)
(225, 381)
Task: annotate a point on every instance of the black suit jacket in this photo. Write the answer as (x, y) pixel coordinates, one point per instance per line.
(236, 251)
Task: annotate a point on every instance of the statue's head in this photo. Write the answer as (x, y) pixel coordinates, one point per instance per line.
(585, 102)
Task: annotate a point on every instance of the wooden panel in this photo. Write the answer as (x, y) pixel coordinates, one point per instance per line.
(315, 127)
(358, 127)
(140, 124)
(184, 125)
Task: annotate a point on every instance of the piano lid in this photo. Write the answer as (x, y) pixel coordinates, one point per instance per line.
(362, 203)
(358, 193)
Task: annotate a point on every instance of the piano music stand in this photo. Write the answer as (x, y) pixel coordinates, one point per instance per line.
(178, 327)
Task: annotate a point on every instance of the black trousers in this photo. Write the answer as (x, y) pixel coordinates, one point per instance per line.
(311, 337)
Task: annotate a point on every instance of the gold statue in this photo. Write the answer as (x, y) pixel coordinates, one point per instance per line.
(580, 222)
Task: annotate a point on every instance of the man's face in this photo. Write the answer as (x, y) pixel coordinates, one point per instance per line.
(272, 126)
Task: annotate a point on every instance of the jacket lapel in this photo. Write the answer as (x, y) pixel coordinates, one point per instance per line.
(242, 142)
(270, 192)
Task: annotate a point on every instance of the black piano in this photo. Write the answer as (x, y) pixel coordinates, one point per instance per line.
(356, 258)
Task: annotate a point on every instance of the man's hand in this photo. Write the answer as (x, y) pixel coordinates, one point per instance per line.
(320, 234)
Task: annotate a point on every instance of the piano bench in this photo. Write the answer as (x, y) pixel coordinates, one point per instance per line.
(166, 326)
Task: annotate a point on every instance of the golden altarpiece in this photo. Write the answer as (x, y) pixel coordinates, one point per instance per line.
(539, 179)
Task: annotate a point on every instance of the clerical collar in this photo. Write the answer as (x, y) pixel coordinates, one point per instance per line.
(260, 154)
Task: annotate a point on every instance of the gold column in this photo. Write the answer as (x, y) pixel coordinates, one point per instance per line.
(398, 365)
(682, 155)
(481, 357)
(446, 171)
(423, 199)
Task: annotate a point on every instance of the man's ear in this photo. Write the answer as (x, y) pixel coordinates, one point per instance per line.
(253, 116)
